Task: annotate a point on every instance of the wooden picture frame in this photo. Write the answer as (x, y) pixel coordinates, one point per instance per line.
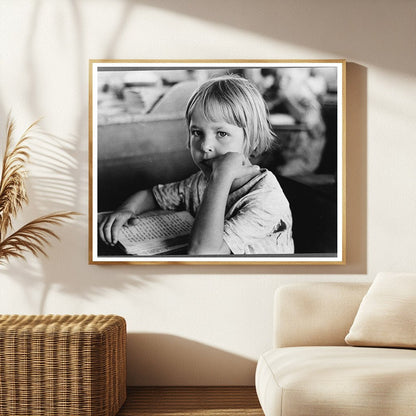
(138, 138)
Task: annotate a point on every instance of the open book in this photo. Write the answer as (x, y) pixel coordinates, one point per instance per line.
(157, 232)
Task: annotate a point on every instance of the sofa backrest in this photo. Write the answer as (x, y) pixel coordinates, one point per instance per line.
(309, 314)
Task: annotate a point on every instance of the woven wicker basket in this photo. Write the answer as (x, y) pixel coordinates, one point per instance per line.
(71, 365)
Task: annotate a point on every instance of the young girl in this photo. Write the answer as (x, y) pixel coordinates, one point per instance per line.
(238, 207)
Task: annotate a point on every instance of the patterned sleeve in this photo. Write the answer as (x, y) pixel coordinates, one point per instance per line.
(261, 225)
(176, 196)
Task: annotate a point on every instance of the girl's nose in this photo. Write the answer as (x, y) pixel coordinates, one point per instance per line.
(207, 146)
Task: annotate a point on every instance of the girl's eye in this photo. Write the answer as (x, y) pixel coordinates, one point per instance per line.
(196, 133)
(222, 134)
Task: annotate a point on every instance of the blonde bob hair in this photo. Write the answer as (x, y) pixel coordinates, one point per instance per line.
(237, 101)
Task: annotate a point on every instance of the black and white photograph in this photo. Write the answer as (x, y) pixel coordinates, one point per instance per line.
(217, 162)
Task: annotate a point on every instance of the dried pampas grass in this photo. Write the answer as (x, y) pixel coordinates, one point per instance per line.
(35, 235)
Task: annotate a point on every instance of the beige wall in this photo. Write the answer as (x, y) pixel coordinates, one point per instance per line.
(201, 324)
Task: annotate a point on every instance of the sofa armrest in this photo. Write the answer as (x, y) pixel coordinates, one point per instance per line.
(315, 313)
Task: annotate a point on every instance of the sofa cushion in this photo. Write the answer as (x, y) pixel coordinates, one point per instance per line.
(387, 314)
(315, 313)
(304, 381)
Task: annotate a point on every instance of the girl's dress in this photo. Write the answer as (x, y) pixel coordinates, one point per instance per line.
(258, 219)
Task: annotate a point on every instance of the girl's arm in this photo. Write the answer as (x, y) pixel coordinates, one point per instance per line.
(138, 203)
(208, 229)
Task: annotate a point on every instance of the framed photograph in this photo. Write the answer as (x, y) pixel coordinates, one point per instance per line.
(217, 162)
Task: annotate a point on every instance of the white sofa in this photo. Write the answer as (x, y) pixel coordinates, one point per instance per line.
(311, 371)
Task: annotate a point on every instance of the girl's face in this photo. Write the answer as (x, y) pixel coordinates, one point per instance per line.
(211, 139)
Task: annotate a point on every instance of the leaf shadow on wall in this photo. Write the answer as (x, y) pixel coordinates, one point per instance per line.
(60, 181)
(52, 186)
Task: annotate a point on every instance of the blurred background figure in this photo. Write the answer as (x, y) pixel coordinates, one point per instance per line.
(297, 93)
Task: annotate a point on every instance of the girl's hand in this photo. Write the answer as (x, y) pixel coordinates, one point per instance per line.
(233, 165)
(110, 225)
(228, 172)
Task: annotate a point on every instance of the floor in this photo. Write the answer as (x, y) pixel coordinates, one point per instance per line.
(187, 401)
